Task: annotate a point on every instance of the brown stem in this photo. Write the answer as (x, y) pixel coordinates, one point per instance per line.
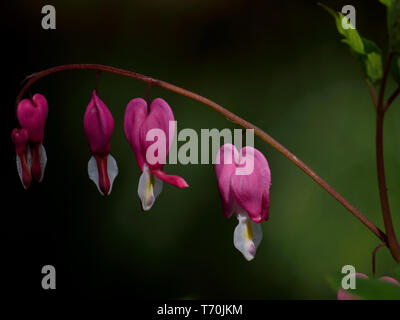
(393, 245)
(374, 257)
(387, 218)
(148, 94)
(229, 115)
(373, 94)
(384, 80)
(391, 99)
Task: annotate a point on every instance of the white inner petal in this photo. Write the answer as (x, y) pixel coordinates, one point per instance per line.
(112, 170)
(19, 169)
(43, 160)
(247, 236)
(29, 157)
(158, 186)
(19, 164)
(149, 188)
(93, 172)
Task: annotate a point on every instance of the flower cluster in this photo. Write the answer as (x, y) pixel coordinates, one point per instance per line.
(28, 140)
(244, 189)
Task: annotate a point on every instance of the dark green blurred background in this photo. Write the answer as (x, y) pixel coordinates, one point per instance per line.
(278, 64)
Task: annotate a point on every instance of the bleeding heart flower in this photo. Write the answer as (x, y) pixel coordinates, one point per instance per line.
(20, 139)
(139, 122)
(344, 295)
(98, 125)
(243, 181)
(32, 115)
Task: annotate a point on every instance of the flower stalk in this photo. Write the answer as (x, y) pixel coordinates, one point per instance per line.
(392, 242)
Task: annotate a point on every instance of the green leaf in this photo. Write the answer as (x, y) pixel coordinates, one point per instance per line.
(368, 54)
(395, 68)
(396, 273)
(334, 281)
(336, 17)
(373, 289)
(394, 29)
(372, 61)
(393, 23)
(352, 37)
(389, 6)
(368, 289)
(373, 67)
(389, 9)
(387, 3)
(370, 46)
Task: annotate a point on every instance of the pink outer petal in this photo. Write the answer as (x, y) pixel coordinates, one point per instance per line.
(36, 167)
(104, 181)
(251, 191)
(225, 168)
(41, 103)
(32, 116)
(98, 124)
(344, 295)
(135, 115)
(158, 118)
(265, 205)
(174, 180)
(390, 280)
(20, 139)
(25, 170)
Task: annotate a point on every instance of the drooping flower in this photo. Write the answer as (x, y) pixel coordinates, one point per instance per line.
(32, 115)
(144, 128)
(345, 295)
(98, 125)
(244, 180)
(23, 156)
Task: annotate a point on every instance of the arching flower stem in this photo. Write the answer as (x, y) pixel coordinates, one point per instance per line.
(226, 113)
